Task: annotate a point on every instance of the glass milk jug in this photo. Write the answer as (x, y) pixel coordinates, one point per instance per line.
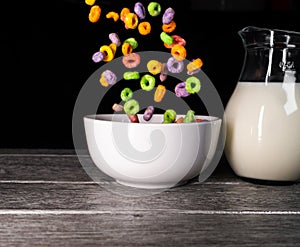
(263, 115)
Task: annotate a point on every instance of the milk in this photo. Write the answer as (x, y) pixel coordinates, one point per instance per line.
(263, 131)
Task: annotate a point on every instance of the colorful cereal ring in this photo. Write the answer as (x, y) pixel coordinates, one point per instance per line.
(133, 118)
(97, 57)
(107, 52)
(140, 11)
(148, 113)
(189, 117)
(114, 38)
(192, 85)
(178, 52)
(113, 15)
(159, 93)
(168, 15)
(109, 76)
(194, 66)
(131, 75)
(147, 82)
(169, 28)
(180, 90)
(175, 66)
(126, 94)
(131, 60)
(166, 38)
(103, 82)
(90, 2)
(154, 9)
(123, 13)
(117, 108)
(154, 67)
(126, 48)
(164, 72)
(169, 116)
(144, 28)
(131, 20)
(131, 107)
(95, 13)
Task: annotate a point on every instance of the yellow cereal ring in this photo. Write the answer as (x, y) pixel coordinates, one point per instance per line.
(144, 28)
(103, 82)
(95, 13)
(123, 13)
(131, 20)
(90, 2)
(126, 48)
(113, 15)
(107, 52)
(159, 93)
(113, 47)
(178, 52)
(154, 67)
(168, 28)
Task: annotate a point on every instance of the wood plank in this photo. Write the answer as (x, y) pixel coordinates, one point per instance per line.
(149, 229)
(65, 166)
(110, 196)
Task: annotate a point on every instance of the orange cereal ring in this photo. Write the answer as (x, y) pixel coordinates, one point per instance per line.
(113, 47)
(144, 28)
(113, 15)
(107, 52)
(159, 93)
(131, 20)
(178, 52)
(123, 13)
(95, 13)
(126, 48)
(168, 28)
(194, 65)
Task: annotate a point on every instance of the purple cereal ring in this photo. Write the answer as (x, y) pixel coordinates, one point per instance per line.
(148, 113)
(110, 77)
(98, 57)
(114, 38)
(180, 90)
(175, 66)
(168, 16)
(140, 11)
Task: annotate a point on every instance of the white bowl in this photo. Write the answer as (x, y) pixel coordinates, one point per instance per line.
(150, 154)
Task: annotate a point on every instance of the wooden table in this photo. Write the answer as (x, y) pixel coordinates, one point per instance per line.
(47, 199)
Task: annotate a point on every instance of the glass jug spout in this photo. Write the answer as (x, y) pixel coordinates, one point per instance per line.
(271, 55)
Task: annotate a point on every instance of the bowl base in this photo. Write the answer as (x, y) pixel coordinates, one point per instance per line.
(150, 186)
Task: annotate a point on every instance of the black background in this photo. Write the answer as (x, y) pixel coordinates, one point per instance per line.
(46, 49)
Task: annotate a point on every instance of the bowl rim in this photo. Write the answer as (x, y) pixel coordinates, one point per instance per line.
(97, 118)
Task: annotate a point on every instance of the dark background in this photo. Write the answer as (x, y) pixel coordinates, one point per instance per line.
(46, 49)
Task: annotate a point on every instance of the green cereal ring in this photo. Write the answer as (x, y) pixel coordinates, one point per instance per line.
(132, 42)
(131, 75)
(166, 38)
(131, 107)
(147, 82)
(154, 8)
(169, 116)
(126, 94)
(192, 85)
(189, 117)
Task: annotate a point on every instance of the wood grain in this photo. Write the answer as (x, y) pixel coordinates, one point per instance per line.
(47, 199)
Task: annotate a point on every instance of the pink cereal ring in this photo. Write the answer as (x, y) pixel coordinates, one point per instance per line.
(131, 60)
